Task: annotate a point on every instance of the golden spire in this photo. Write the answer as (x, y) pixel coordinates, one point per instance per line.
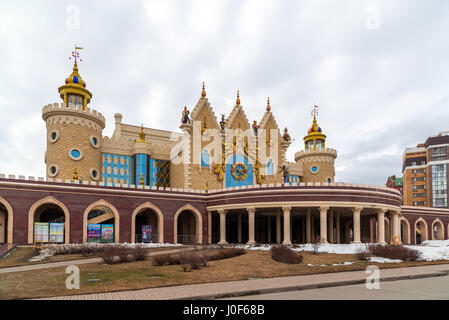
(268, 105)
(203, 93)
(141, 135)
(75, 175)
(141, 180)
(237, 102)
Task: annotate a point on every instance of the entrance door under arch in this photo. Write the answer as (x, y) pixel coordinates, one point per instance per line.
(46, 216)
(3, 224)
(101, 225)
(146, 217)
(187, 228)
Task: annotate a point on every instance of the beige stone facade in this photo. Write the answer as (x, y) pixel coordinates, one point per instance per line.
(71, 129)
(207, 154)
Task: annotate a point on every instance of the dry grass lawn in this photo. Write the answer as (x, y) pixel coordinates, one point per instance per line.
(142, 274)
(20, 256)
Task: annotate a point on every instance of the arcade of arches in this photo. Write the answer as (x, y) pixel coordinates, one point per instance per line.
(303, 225)
(287, 224)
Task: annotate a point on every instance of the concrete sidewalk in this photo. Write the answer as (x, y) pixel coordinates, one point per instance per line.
(39, 266)
(270, 285)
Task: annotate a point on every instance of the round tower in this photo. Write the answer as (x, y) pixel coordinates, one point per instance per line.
(74, 132)
(317, 160)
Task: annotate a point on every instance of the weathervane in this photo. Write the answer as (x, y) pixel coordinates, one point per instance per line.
(314, 111)
(75, 53)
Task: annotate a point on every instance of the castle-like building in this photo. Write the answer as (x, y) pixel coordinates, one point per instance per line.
(214, 181)
(135, 155)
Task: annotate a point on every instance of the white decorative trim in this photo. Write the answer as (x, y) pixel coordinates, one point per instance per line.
(92, 176)
(50, 134)
(49, 173)
(75, 159)
(98, 142)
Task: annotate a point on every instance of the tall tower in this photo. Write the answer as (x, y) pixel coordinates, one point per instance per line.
(317, 160)
(74, 132)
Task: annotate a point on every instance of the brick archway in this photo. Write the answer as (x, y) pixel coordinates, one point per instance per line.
(160, 220)
(36, 205)
(9, 227)
(424, 233)
(440, 229)
(198, 220)
(116, 218)
(407, 238)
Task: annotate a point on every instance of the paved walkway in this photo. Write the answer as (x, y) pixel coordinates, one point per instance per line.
(251, 287)
(75, 262)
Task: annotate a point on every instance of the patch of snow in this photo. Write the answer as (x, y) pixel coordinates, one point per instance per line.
(342, 264)
(384, 260)
(431, 253)
(435, 243)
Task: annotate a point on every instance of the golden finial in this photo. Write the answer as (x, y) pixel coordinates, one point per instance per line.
(141, 180)
(238, 98)
(141, 134)
(268, 105)
(315, 112)
(75, 175)
(203, 93)
(207, 186)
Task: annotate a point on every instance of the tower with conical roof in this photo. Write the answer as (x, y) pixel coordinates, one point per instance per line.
(317, 160)
(74, 132)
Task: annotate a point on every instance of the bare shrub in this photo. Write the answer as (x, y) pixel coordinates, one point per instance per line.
(362, 254)
(285, 255)
(160, 260)
(394, 252)
(204, 259)
(84, 250)
(139, 252)
(226, 253)
(123, 252)
(316, 244)
(196, 261)
(108, 253)
(184, 259)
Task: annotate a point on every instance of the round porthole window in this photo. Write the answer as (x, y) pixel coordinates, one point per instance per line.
(53, 170)
(329, 180)
(94, 141)
(314, 169)
(53, 136)
(75, 154)
(94, 174)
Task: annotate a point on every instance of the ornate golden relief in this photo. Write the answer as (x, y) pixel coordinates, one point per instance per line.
(257, 172)
(269, 140)
(220, 168)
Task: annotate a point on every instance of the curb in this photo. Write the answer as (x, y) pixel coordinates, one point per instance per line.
(311, 286)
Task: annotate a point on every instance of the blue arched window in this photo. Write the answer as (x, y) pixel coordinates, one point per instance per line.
(205, 158)
(270, 169)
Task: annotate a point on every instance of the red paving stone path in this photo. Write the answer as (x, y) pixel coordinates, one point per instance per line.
(251, 287)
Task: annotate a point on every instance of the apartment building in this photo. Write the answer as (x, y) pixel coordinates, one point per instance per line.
(424, 170)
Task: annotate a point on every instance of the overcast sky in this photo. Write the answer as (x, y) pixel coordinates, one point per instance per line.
(378, 70)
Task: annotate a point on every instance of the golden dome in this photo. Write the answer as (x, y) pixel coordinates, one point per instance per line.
(315, 128)
(315, 138)
(74, 88)
(75, 78)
